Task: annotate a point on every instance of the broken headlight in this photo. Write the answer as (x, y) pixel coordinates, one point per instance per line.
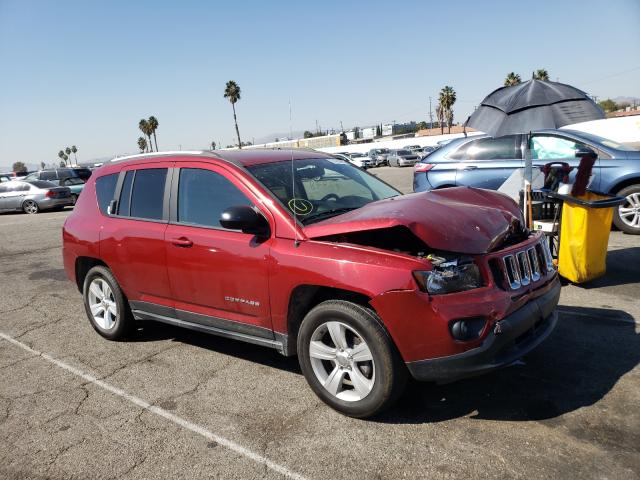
(448, 278)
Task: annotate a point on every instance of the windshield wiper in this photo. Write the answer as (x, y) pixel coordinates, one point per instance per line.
(328, 213)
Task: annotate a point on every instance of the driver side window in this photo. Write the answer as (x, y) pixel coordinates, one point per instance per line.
(203, 195)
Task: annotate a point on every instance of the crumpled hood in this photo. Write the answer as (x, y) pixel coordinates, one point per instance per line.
(462, 219)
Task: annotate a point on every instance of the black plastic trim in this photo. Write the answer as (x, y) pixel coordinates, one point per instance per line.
(214, 325)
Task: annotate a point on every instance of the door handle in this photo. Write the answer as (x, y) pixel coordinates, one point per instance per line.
(183, 242)
(469, 168)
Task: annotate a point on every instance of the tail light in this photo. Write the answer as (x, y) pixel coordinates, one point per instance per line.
(50, 194)
(422, 167)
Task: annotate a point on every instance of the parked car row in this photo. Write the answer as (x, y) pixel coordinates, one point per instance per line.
(486, 162)
(43, 190)
(377, 157)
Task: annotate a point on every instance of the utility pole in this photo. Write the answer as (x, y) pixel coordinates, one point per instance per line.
(341, 127)
(430, 115)
(317, 131)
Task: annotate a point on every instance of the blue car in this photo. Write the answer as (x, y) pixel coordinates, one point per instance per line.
(486, 162)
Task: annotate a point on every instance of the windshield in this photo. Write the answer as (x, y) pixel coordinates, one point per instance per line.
(604, 141)
(355, 155)
(324, 187)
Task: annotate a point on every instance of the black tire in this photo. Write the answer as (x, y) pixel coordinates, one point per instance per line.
(124, 318)
(617, 220)
(30, 206)
(74, 199)
(390, 371)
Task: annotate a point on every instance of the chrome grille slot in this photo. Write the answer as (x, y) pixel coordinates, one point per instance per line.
(524, 268)
(546, 252)
(534, 263)
(512, 271)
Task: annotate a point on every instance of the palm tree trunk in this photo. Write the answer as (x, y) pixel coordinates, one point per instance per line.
(236, 122)
(155, 140)
(150, 144)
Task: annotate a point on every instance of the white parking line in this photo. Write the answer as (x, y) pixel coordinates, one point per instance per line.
(225, 442)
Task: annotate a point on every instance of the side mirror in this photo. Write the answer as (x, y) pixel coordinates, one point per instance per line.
(246, 219)
(586, 152)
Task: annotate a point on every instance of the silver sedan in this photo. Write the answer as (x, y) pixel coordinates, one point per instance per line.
(31, 197)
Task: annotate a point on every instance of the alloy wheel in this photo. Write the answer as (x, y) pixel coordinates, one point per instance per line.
(102, 304)
(342, 361)
(629, 211)
(30, 207)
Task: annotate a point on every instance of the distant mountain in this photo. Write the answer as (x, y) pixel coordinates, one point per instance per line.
(629, 100)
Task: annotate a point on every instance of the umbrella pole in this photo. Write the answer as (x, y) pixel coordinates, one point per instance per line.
(528, 175)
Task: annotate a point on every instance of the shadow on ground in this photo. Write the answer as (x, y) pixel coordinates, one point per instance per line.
(590, 350)
(623, 268)
(152, 331)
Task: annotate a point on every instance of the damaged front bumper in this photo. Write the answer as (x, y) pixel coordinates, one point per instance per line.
(512, 337)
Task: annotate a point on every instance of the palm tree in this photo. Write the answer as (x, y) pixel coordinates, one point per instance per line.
(74, 149)
(61, 154)
(143, 125)
(541, 74)
(65, 157)
(440, 114)
(153, 126)
(213, 145)
(445, 101)
(232, 92)
(142, 144)
(512, 79)
(68, 152)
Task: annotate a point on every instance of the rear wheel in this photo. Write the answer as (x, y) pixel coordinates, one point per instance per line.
(30, 207)
(627, 216)
(74, 199)
(349, 360)
(105, 304)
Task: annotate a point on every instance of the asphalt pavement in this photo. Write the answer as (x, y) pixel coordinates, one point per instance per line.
(171, 403)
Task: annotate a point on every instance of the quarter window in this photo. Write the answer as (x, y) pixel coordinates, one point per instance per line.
(105, 188)
(203, 195)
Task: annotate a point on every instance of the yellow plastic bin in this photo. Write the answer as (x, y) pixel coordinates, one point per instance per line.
(584, 235)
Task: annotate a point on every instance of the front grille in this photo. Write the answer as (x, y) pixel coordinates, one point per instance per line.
(523, 267)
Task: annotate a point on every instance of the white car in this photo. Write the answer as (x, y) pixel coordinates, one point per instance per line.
(361, 160)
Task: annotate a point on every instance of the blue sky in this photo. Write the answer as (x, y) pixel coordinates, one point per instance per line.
(85, 72)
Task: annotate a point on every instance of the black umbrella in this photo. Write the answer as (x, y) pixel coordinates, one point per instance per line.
(533, 105)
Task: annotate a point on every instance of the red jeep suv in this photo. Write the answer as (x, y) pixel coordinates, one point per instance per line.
(302, 252)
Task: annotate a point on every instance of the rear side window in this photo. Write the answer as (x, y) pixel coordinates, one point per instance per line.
(147, 195)
(48, 175)
(125, 194)
(203, 195)
(105, 188)
(501, 148)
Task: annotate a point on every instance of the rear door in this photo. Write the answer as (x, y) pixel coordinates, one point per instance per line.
(219, 277)
(488, 162)
(132, 240)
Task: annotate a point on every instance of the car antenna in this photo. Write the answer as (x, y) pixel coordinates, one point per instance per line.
(296, 242)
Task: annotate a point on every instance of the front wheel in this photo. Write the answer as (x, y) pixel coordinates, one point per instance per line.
(349, 360)
(627, 216)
